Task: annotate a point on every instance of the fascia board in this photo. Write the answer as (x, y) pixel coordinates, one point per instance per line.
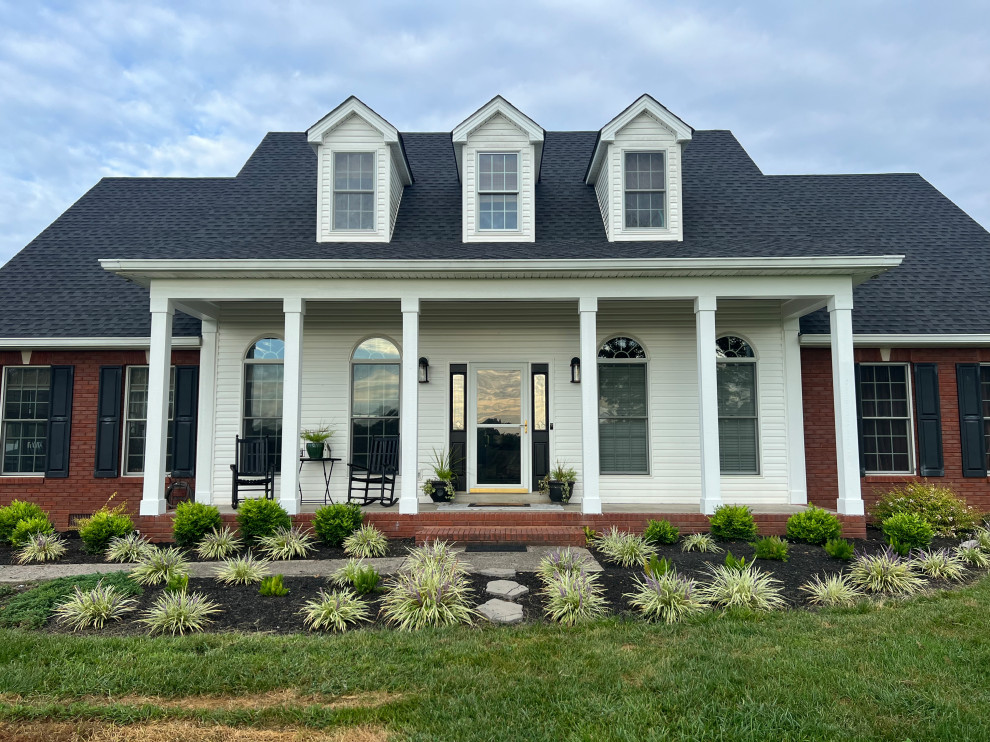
(905, 340)
(90, 343)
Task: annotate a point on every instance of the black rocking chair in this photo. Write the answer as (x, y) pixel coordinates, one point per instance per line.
(253, 470)
(378, 476)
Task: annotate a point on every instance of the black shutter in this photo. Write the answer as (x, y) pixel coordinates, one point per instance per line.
(859, 421)
(185, 401)
(59, 422)
(929, 420)
(458, 438)
(974, 455)
(108, 422)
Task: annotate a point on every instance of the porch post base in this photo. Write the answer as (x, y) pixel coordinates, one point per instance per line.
(709, 506)
(152, 507)
(591, 506)
(851, 507)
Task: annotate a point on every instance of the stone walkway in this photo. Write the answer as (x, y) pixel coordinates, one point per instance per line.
(494, 564)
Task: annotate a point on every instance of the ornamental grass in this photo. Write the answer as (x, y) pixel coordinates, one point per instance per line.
(93, 608)
(832, 591)
(667, 598)
(334, 611)
(885, 572)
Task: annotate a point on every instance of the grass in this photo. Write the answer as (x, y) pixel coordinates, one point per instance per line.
(31, 608)
(914, 669)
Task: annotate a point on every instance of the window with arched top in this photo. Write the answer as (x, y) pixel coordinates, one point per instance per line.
(263, 375)
(623, 430)
(738, 408)
(374, 394)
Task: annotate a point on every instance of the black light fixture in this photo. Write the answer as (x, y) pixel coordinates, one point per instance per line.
(575, 370)
(424, 370)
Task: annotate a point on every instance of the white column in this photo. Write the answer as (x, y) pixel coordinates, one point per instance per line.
(409, 410)
(591, 497)
(294, 309)
(844, 396)
(794, 398)
(711, 471)
(156, 433)
(206, 411)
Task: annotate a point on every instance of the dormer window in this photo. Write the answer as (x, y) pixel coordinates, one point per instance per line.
(353, 190)
(645, 190)
(498, 191)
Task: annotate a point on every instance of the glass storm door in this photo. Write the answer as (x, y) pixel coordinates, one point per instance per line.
(499, 418)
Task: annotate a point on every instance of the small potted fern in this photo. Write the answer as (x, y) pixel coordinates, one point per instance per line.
(317, 441)
(441, 487)
(559, 483)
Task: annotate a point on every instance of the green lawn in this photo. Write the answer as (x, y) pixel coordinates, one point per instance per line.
(913, 670)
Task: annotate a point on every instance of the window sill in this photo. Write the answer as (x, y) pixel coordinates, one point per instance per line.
(23, 478)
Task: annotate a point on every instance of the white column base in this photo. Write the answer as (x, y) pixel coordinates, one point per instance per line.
(850, 507)
(152, 507)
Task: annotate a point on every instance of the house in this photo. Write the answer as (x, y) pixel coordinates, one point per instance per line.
(640, 302)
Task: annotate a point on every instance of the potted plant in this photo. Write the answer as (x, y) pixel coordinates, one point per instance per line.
(316, 440)
(559, 483)
(441, 487)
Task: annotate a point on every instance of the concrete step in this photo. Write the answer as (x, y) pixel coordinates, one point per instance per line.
(530, 535)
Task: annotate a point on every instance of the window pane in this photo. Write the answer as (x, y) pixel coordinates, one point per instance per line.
(539, 401)
(25, 420)
(376, 349)
(375, 390)
(24, 447)
(737, 447)
(497, 211)
(886, 410)
(621, 390)
(499, 397)
(621, 347)
(263, 406)
(623, 446)
(269, 349)
(457, 402)
(363, 430)
(736, 389)
(499, 455)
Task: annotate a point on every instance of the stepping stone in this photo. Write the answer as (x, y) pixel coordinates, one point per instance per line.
(501, 611)
(971, 544)
(506, 589)
(500, 572)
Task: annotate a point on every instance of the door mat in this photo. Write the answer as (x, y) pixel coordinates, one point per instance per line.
(498, 504)
(495, 547)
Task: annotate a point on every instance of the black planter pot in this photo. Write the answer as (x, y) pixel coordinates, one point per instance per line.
(557, 490)
(439, 493)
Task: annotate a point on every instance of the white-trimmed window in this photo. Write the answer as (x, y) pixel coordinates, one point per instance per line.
(985, 389)
(263, 375)
(353, 191)
(888, 433)
(644, 197)
(375, 368)
(24, 419)
(623, 429)
(136, 419)
(738, 408)
(498, 191)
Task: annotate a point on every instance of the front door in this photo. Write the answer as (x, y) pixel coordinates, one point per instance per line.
(500, 454)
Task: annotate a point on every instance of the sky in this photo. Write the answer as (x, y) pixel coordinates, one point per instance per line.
(104, 88)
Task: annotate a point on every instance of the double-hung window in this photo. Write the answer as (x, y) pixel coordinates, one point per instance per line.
(498, 191)
(24, 420)
(888, 434)
(738, 411)
(353, 190)
(645, 190)
(623, 430)
(136, 419)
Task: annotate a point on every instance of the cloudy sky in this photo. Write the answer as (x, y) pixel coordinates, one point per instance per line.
(90, 89)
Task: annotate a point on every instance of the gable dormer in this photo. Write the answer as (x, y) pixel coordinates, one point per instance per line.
(636, 172)
(361, 173)
(498, 150)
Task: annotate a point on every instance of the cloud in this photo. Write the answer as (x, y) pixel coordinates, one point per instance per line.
(189, 88)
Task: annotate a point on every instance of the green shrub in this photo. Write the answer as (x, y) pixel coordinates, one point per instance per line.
(661, 532)
(813, 526)
(366, 580)
(29, 527)
(771, 547)
(193, 520)
(177, 583)
(32, 608)
(839, 548)
(272, 587)
(906, 531)
(733, 523)
(737, 564)
(946, 512)
(260, 517)
(14, 513)
(657, 568)
(105, 524)
(333, 611)
(334, 523)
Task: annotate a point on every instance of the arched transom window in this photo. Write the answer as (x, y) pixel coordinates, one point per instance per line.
(738, 409)
(263, 394)
(623, 430)
(374, 395)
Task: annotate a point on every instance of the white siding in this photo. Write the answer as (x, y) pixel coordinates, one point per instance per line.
(354, 134)
(645, 133)
(539, 332)
(395, 195)
(498, 134)
(604, 198)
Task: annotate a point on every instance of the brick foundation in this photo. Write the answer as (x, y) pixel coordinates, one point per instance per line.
(819, 424)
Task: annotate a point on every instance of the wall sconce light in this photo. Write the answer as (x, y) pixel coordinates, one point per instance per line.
(575, 370)
(424, 370)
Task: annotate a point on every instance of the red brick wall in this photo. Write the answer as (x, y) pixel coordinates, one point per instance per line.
(81, 492)
(819, 423)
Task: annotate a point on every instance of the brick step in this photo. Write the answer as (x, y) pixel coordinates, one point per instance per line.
(534, 535)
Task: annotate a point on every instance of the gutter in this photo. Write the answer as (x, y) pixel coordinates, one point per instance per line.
(914, 340)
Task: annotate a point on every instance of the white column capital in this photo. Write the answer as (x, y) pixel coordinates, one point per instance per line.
(588, 304)
(409, 304)
(208, 327)
(705, 304)
(294, 305)
(839, 301)
(792, 324)
(162, 305)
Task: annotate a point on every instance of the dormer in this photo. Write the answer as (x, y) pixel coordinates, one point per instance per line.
(361, 173)
(498, 150)
(636, 172)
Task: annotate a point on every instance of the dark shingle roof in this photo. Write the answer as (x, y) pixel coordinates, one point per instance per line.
(55, 286)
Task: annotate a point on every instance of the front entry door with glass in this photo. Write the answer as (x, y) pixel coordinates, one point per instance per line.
(500, 454)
